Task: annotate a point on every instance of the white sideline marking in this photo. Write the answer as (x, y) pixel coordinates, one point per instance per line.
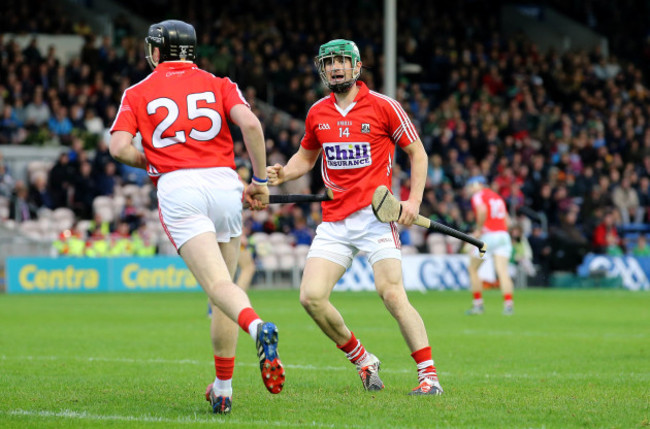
(638, 376)
(70, 414)
(184, 362)
(606, 335)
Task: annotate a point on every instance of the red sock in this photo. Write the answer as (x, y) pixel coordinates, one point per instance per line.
(224, 367)
(507, 297)
(354, 350)
(424, 361)
(246, 317)
(478, 295)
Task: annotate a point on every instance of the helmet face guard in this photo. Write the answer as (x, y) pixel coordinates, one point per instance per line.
(326, 55)
(176, 41)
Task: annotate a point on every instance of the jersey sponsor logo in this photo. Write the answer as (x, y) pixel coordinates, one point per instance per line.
(365, 128)
(323, 126)
(341, 156)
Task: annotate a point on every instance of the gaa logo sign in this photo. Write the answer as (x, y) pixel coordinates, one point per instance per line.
(340, 156)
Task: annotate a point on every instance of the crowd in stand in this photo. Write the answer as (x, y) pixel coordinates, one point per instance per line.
(564, 137)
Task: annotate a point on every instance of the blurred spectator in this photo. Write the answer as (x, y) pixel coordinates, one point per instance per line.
(102, 157)
(93, 123)
(429, 202)
(71, 242)
(60, 124)
(613, 246)
(541, 252)
(644, 197)
(85, 191)
(37, 112)
(435, 172)
(97, 245)
(39, 195)
(301, 233)
(9, 125)
(605, 234)
(542, 201)
(641, 247)
(142, 241)
(130, 214)
(107, 181)
(31, 52)
(98, 226)
(568, 244)
(20, 209)
(76, 153)
(61, 180)
(6, 181)
(120, 241)
(522, 253)
(626, 200)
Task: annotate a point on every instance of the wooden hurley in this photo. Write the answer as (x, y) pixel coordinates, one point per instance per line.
(388, 209)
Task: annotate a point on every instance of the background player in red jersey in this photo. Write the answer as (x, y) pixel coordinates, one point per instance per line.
(181, 113)
(492, 222)
(356, 130)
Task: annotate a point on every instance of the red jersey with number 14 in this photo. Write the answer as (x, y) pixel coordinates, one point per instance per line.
(181, 113)
(495, 219)
(358, 144)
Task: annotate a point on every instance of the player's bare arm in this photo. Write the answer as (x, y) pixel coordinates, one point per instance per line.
(122, 149)
(481, 215)
(253, 135)
(299, 164)
(411, 207)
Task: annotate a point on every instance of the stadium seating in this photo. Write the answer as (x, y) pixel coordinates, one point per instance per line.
(451, 103)
(63, 217)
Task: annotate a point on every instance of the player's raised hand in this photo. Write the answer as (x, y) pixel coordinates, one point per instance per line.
(257, 196)
(410, 212)
(275, 173)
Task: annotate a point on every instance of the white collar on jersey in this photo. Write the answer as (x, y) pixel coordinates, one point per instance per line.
(344, 112)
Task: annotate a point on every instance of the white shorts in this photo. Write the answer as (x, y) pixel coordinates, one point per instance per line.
(340, 241)
(194, 201)
(498, 243)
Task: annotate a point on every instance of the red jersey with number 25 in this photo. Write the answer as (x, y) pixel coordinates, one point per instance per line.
(495, 219)
(181, 113)
(358, 144)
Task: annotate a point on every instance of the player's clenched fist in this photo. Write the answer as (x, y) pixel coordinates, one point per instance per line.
(257, 196)
(275, 173)
(410, 211)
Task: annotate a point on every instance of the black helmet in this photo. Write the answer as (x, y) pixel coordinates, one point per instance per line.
(175, 39)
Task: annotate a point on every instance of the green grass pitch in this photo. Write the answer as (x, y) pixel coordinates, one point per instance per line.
(567, 358)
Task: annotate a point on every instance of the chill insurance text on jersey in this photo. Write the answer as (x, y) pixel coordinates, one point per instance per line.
(347, 144)
(350, 154)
